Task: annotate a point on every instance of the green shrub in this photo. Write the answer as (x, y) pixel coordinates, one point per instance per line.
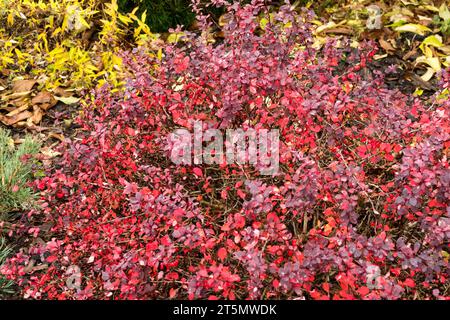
(15, 174)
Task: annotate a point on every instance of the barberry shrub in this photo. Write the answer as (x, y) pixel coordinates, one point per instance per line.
(358, 210)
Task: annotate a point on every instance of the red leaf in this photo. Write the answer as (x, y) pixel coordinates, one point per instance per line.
(223, 194)
(172, 292)
(276, 283)
(363, 291)
(222, 253)
(198, 172)
(51, 259)
(409, 283)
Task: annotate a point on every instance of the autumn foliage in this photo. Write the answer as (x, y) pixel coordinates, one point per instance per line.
(358, 210)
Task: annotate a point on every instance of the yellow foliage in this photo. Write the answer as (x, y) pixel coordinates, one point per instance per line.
(70, 43)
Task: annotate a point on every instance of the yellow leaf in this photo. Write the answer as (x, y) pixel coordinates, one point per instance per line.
(160, 54)
(414, 28)
(65, 23)
(124, 19)
(447, 61)
(7, 60)
(175, 37)
(10, 19)
(324, 27)
(427, 52)
(428, 74)
(263, 22)
(444, 13)
(430, 8)
(83, 22)
(18, 53)
(55, 33)
(116, 60)
(434, 40)
(433, 62)
(418, 92)
(67, 100)
(134, 11)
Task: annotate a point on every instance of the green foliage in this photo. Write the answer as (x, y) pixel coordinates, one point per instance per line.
(162, 14)
(15, 174)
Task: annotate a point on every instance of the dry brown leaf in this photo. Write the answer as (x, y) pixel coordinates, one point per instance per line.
(16, 95)
(15, 119)
(40, 267)
(17, 111)
(445, 49)
(45, 100)
(7, 107)
(62, 92)
(58, 136)
(19, 102)
(339, 30)
(410, 54)
(23, 85)
(29, 266)
(418, 81)
(37, 115)
(50, 153)
(386, 46)
(225, 19)
(42, 97)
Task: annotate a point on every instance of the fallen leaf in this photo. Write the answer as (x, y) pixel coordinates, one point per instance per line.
(339, 30)
(16, 95)
(416, 80)
(409, 54)
(380, 56)
(50, 153)
(15, 119)
(433, 62)
(386, 46)
(17, 111)
(434, 40)
(23, 85)
(58, 136)
(37, 115)
(428, 74)
(68, 100)
(445, 50)
(58, 91)
(44, 99)
(414, 28)
(444, 13)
